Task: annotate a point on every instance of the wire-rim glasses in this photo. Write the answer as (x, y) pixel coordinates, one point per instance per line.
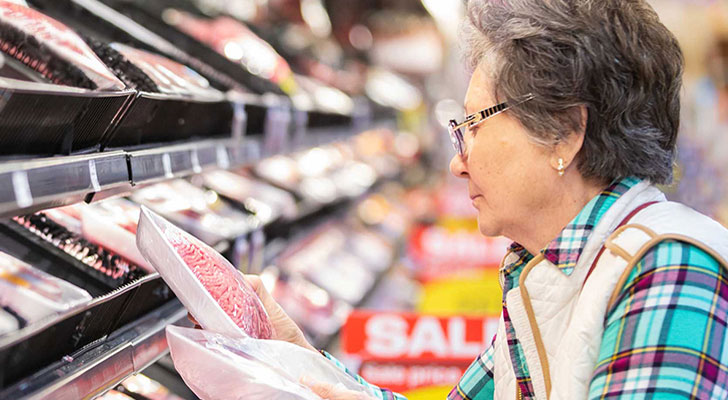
(456, 130)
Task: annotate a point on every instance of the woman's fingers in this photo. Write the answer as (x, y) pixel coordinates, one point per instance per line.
(194, 321)
(284, 327)
(256, 283)
(332, 392)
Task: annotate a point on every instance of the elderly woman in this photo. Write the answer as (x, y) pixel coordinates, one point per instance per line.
(609, 291)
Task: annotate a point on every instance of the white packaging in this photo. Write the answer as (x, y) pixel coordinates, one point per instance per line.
(61, 40)
(218, 367)
(34, 294)
(106, 224)
(153, 241)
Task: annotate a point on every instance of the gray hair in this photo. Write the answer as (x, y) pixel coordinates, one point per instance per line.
(612, 56)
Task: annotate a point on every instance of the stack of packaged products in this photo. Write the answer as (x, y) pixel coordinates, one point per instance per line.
(324, 224)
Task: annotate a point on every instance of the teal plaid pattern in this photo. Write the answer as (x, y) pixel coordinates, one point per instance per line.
(382, 394)
(666, 335)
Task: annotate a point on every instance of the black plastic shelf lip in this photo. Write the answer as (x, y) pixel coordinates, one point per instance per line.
(176, 160)
(101, 367)
(38, 183)
(321, 136)
(243, 152)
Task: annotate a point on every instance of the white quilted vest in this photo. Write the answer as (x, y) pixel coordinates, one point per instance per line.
(559, 324)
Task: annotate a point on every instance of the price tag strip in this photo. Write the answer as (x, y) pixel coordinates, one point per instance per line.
(21, 187)
(167, 165)
(94, 176)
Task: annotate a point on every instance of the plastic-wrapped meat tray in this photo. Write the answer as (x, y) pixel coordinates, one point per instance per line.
(149, 14)
(52, 49)
(149, 116)
(53, 59)
(105, 25)
(33, 294)
(183, 106)
(87, 265)
(218, 367)
(214, 292)
(110, 224)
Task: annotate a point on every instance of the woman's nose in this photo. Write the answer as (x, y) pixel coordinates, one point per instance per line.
(458, 167)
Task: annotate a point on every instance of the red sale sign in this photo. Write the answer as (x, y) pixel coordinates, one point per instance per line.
(439, 252)
(405, 351)
(408, 337)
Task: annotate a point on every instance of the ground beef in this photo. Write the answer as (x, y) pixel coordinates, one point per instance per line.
(227, 286)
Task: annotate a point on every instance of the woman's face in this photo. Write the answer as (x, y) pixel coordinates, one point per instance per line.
(509, 177)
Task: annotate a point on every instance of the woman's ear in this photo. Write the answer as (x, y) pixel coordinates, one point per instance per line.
(565, 152)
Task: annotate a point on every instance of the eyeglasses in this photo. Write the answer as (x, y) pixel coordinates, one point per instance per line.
(456, 129)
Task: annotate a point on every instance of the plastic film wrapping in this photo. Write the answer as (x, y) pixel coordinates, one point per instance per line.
(217, 367)
(213, 291)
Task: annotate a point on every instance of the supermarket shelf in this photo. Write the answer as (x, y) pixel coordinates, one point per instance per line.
(103, 364)
(323, 135)
(398, 252)
(39, 183)
(36, 184)
(169, 162)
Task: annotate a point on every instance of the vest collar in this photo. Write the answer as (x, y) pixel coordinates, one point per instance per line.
(564, 251)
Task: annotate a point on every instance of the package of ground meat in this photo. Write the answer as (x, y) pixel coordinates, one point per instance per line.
(218, 367)
(170, 77)
(213, 291)
(52, 49)
(236, 42)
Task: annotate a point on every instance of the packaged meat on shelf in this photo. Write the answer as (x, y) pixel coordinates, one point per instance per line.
(237, 43)
(47, 66)
(111, 224)
(169, 76)
(92, 259)
(202, 213)
(154, 154)
(320, 175)
(52, 49)
(141, 387)
(267, 202)
(29, 294)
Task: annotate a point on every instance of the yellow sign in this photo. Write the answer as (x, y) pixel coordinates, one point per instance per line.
(429, 393)
(478, 292)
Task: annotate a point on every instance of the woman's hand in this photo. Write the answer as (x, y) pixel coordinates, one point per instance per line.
(283, 326)
(332, 392)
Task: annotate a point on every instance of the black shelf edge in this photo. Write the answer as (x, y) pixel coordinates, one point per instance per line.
(102, 366)
(35, 184)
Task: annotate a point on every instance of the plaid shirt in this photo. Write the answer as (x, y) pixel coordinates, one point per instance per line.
(665, 336)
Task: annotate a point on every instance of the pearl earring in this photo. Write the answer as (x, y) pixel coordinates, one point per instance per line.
(561, 167)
